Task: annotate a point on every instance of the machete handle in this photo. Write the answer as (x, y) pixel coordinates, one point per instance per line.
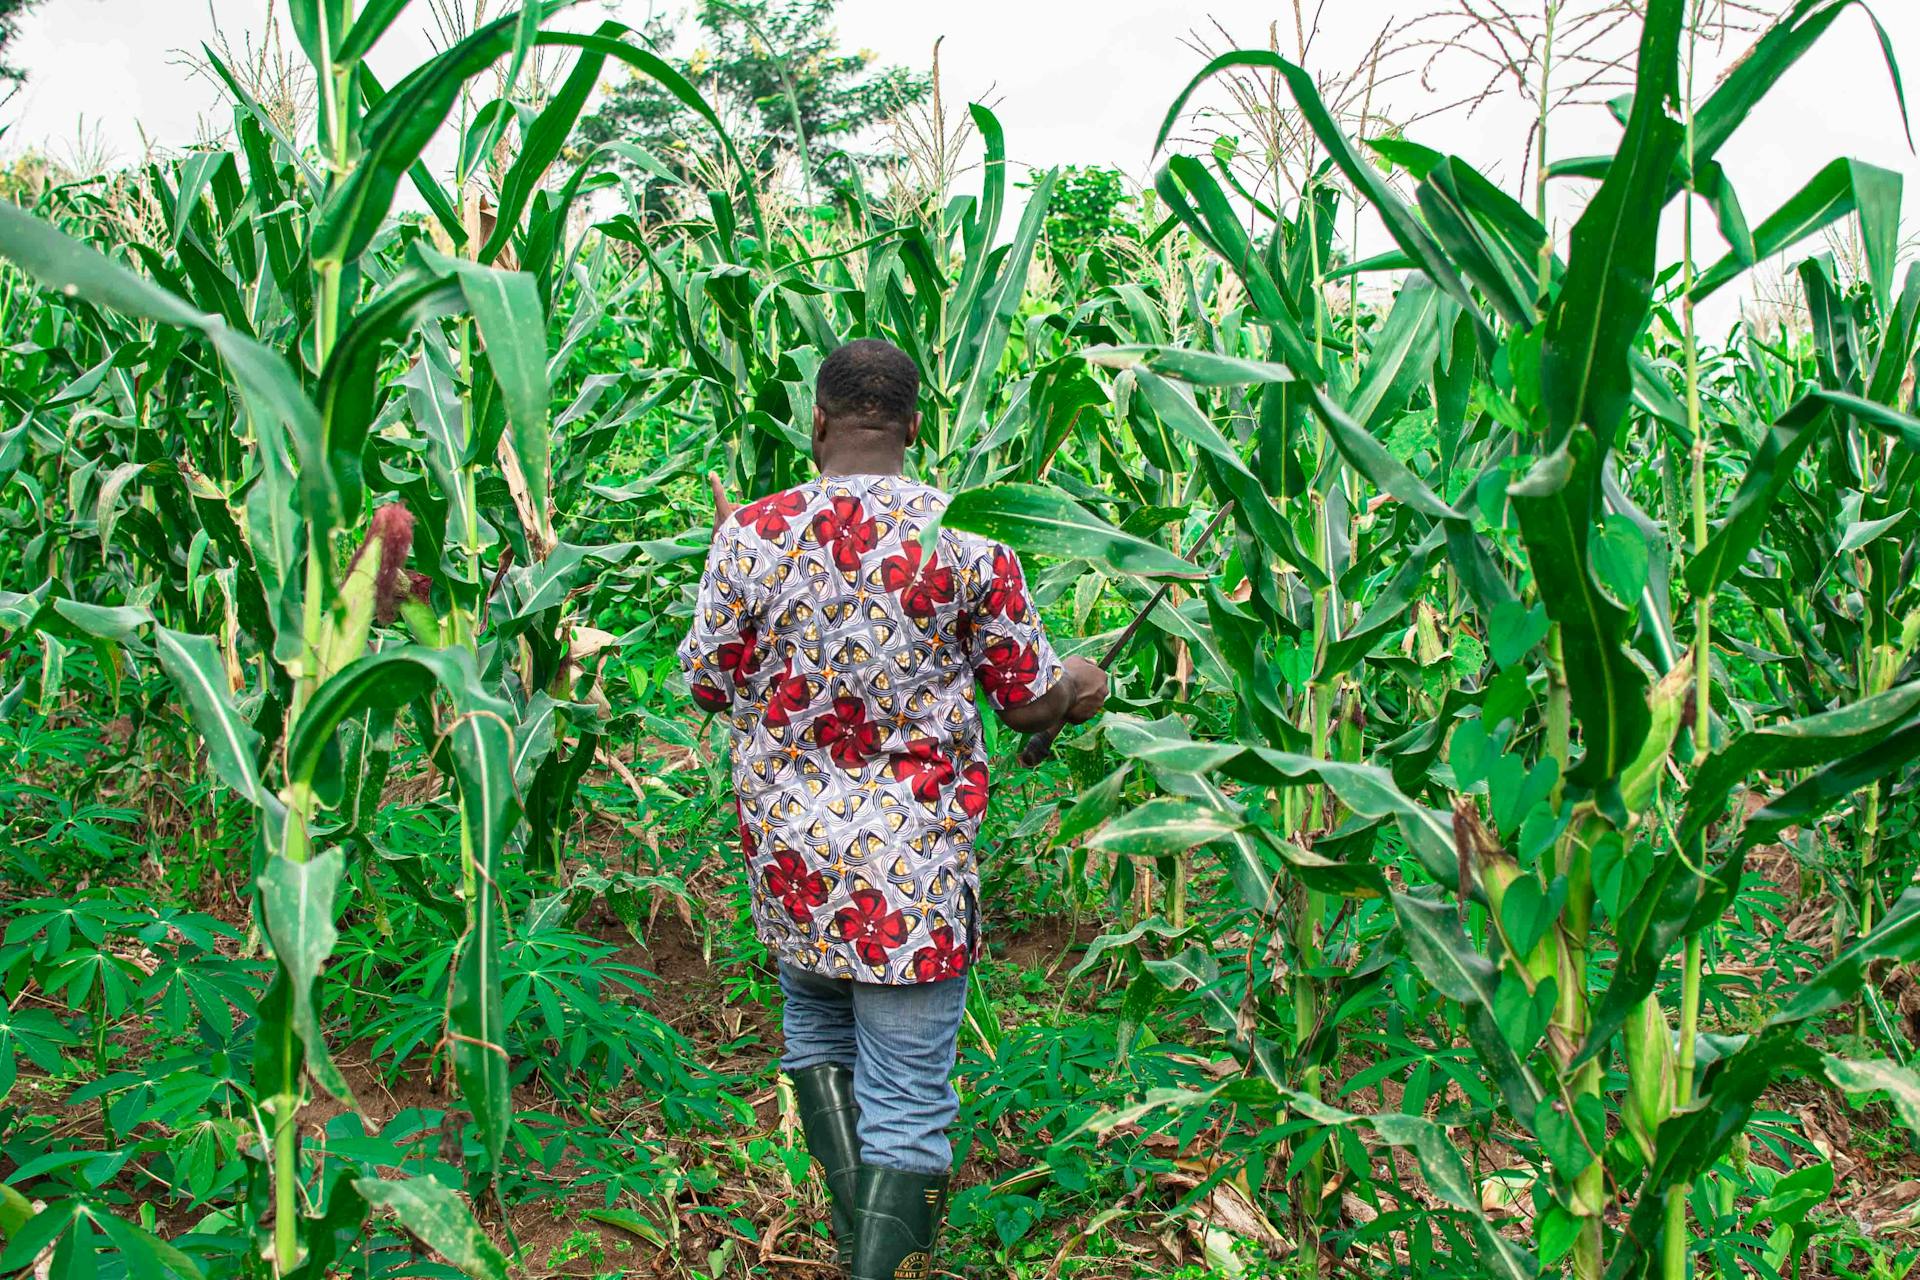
(1038, 747)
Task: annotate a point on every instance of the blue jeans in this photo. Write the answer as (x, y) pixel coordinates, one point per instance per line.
(900, 1042)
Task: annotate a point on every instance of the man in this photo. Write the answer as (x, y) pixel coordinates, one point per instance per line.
(845, 655)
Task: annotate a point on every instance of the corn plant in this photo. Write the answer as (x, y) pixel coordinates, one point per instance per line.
(1572, 786)
(256, 434)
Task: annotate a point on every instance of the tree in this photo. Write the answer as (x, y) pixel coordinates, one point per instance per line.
(1090, 204)
(776, 72)
(11, 11)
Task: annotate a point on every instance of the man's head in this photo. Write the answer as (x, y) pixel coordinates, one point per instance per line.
(864, 408)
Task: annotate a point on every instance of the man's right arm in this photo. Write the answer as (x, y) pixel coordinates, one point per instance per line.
(1075, 698)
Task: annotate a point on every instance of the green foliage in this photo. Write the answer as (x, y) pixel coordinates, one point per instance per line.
(1090, 206)
(11, 12)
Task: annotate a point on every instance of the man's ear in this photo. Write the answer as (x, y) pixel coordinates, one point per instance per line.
(913, 431)
(819, 422)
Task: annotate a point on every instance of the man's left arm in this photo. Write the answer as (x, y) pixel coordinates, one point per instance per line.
(721, 648)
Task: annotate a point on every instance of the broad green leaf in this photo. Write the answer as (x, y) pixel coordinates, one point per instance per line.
(436, 1216)
(1217, 222)
(1602, 306)
(542, 586)
(543, 142)
(482, 761)
(1844, 187)
(1558, 502)
(1403, 351)
(1231, 478)
(998, 305)
(513, 328)
(396, 130)
(196, 668)
(118, 623)
(1754, 74)
(385, 681)
(1808, 742)
(1491, 239)
(1196, 368)
(298, 902)
(1800, 804)
(368, 26)
(982, 224)
(350, 386)
(1166, 825)
(1037, 520)
(1365, 454)
(1093, 806)
(1900, 1084)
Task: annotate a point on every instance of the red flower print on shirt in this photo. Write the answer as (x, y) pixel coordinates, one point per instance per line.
(923, 768)
(871, 927)
(1007, 596)
(972, 791)
(800, 890)
(788, 695)
(711, 697)
(749, 844)
(846, 532)
(741, 657)
(769, 516)
(849, 737)
(944, 959)
(1009, 672)
(921, 590)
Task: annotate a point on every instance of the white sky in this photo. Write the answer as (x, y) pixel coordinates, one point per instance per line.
(1073, 81)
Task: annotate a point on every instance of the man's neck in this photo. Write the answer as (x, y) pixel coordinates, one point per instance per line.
(876, 463)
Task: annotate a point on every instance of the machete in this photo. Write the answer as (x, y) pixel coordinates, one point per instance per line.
(1037, 747)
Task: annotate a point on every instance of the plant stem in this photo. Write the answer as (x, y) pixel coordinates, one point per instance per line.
(1559, 712)
(1587, 1189)
(1869, 841)
(1552, 14)
(1674, 1238)
(301, 801)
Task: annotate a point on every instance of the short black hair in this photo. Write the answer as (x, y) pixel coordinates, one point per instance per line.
(868, 383)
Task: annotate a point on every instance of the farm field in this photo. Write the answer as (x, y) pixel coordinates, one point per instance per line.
(1499, 856)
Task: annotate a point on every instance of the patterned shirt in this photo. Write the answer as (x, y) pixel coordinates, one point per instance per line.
(845, 658)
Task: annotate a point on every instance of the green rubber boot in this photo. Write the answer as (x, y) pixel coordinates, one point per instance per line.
(899, 1216)
(830, 1120)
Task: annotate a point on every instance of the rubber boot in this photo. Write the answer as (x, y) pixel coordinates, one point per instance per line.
(898, 1220)
(831, 1122)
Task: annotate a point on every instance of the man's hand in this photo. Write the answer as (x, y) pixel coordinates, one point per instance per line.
(1089, 685)
(721, 507)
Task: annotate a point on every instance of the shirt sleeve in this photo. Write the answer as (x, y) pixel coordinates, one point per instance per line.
(1006, 646)
(723, 646)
